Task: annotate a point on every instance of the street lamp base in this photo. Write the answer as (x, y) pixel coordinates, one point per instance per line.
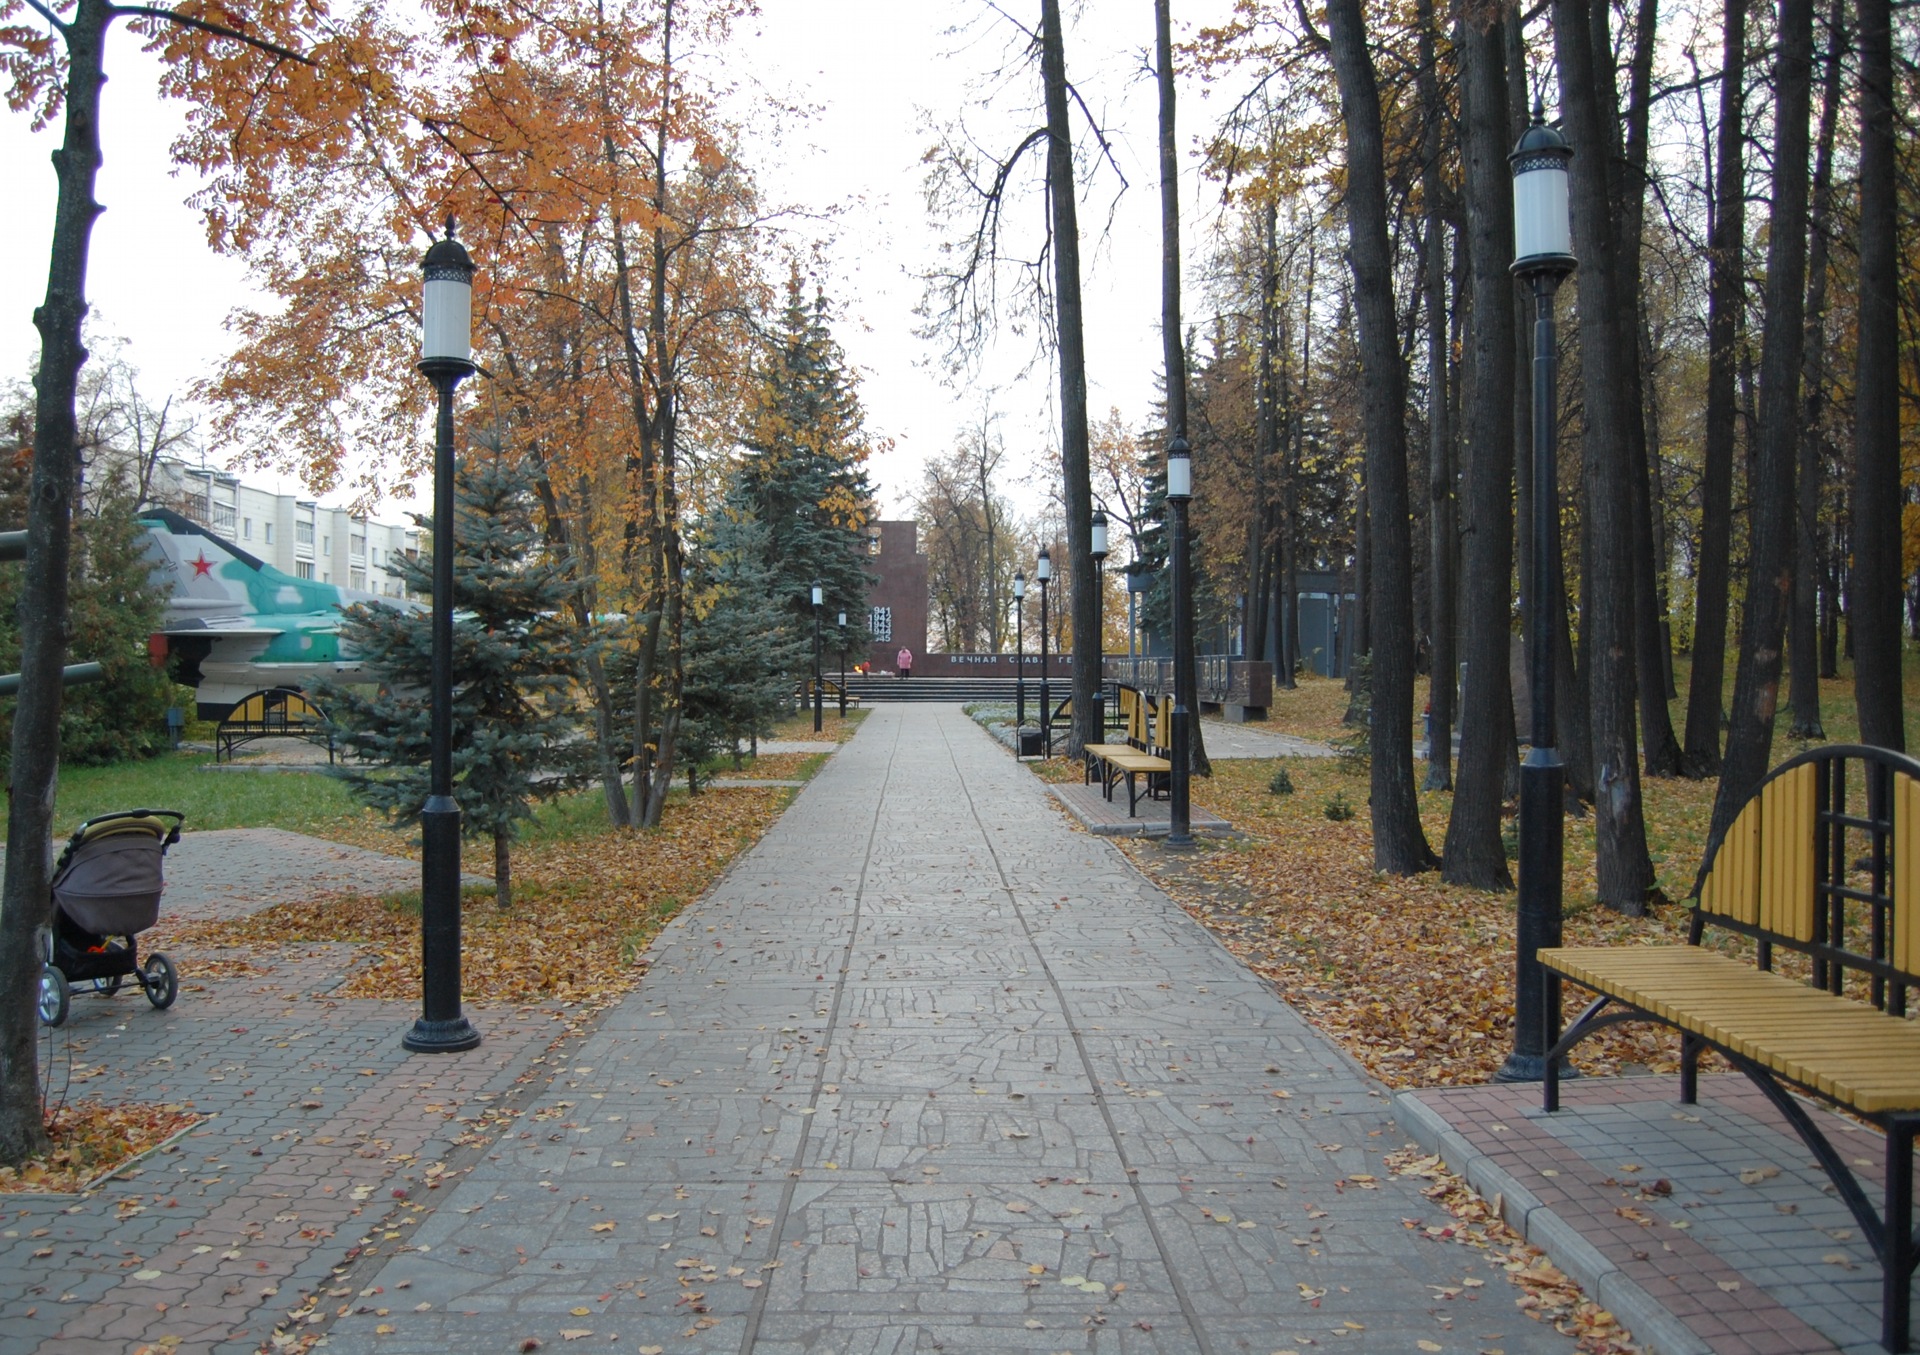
(1530, 1068)
(440, 1037)
(1182, 842)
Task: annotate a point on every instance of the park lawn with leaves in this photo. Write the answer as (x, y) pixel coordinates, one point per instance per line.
(1413, 977)
(798, 727)
(770, 767)
(91, 1138)
(589, 899)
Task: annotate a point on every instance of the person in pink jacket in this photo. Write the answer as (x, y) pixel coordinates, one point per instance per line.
(905, 661)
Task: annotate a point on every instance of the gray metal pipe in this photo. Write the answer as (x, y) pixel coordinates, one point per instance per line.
(73, 675)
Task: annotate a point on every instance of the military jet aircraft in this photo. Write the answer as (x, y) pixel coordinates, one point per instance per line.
(235, 624)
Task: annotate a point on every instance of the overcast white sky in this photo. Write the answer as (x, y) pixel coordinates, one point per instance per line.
(876, 71)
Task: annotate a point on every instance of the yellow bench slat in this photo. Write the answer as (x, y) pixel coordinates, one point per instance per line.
(1851, 1052)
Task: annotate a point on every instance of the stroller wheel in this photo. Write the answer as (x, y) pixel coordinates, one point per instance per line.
(54, 996)
(158, 978)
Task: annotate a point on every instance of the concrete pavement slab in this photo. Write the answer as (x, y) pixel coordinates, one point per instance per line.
(974, 1084)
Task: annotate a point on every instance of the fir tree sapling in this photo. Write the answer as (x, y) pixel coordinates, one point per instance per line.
(517, 737)
(744, 651)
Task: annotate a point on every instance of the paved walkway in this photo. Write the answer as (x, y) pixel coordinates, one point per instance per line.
(931, 1070)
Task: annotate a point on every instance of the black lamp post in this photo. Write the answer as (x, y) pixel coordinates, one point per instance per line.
(1138, 581)
(1019, 654)
(818, 595)
(1098, 531)
(1543, 249)
(1179, 491)
(446, 359)
(843, 665)
(1043, 572)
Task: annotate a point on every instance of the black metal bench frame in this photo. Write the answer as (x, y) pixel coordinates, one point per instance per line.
(1889, 1231)
(273, 723)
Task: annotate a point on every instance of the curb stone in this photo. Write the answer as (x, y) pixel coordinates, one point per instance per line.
(1656, 1329)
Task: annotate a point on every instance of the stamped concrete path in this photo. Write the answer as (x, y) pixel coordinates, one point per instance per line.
(931, 1070)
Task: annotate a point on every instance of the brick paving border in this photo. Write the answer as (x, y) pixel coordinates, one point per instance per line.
(322, 1130)
(1769, 1264)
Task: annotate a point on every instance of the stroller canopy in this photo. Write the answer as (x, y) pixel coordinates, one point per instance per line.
(110, 876)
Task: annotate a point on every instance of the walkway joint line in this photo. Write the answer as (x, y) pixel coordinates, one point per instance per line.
(757, 1312)
(1180, 1294)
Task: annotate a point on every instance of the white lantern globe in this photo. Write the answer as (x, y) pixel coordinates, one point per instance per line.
(446, 306)
(1542, 224)
(1179, 469)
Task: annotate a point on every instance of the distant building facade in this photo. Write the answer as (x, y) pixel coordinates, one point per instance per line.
(296, 536)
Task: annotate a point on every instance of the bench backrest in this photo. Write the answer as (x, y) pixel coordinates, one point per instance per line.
(1162, 727)
(1825, 859)
(1133, 716)
(273, 710)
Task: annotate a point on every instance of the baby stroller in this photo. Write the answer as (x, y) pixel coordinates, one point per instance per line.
(106, 890)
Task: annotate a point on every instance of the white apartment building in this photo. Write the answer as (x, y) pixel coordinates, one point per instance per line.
(296, 536)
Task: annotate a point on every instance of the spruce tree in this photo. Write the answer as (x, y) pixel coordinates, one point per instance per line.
(115, 601)
(515, 734)
(804, 475)
(744, 652)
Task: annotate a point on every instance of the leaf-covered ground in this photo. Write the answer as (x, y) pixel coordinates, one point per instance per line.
(586, 904)
(91, 1138)
(1413, 977)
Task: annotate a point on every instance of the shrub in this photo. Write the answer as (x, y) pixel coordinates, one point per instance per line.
(1281, 784)
(1338, 809)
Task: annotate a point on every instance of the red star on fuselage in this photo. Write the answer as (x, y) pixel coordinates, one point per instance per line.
(202, 566)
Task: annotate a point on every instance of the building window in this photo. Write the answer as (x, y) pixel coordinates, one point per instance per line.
(246, 529)
(303, 569)
(223, 518)
(356, 546)
(357, 579)
(267, 527)
(303, 533)
(880, 622)
(326, 545)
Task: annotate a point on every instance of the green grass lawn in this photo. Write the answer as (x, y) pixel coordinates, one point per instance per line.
(301, 802)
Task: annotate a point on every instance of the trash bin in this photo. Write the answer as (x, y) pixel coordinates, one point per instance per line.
(1032, 743)
(176, 725)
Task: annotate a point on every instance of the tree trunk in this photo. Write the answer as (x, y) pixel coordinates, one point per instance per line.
(1475, 853)
(1756, 682)
(1442, 668)
(1726, 295)
(1624, 869)
(503, 870)
(1399, 842)
(1267, 401)
(1874, 588)
(1172, 346)
(1803, 628)
(1629, 195)
(1064, 225)
(42, 609)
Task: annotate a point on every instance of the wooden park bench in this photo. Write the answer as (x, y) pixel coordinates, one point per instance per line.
(831, 693)
(1138, 756)
(1824, 861)
(275, 713)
